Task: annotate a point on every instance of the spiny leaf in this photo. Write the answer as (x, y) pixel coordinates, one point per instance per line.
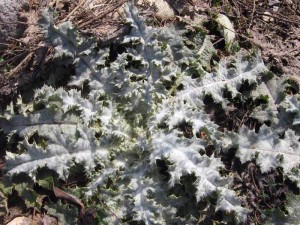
(293, 103)
(269, 150)
(62, 37)
(67, 144)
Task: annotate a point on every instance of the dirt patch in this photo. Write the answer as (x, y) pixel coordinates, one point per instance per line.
(273, 26)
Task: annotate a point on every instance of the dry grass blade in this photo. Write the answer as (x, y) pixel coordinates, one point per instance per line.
(102, 14)
(21, 65)
(74, 10)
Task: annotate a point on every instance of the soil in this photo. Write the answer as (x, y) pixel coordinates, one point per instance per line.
(273, 26)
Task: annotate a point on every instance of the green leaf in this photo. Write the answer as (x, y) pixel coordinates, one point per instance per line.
(3, 203)
(27, 193)
(65, 214)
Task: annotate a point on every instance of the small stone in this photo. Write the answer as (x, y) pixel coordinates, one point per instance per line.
(267, 17)
(275, 8)
(226, 28)
(164, 10)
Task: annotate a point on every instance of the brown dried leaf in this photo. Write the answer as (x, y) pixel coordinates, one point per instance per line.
(70, 198)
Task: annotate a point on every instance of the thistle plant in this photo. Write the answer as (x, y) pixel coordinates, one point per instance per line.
(121, 118)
